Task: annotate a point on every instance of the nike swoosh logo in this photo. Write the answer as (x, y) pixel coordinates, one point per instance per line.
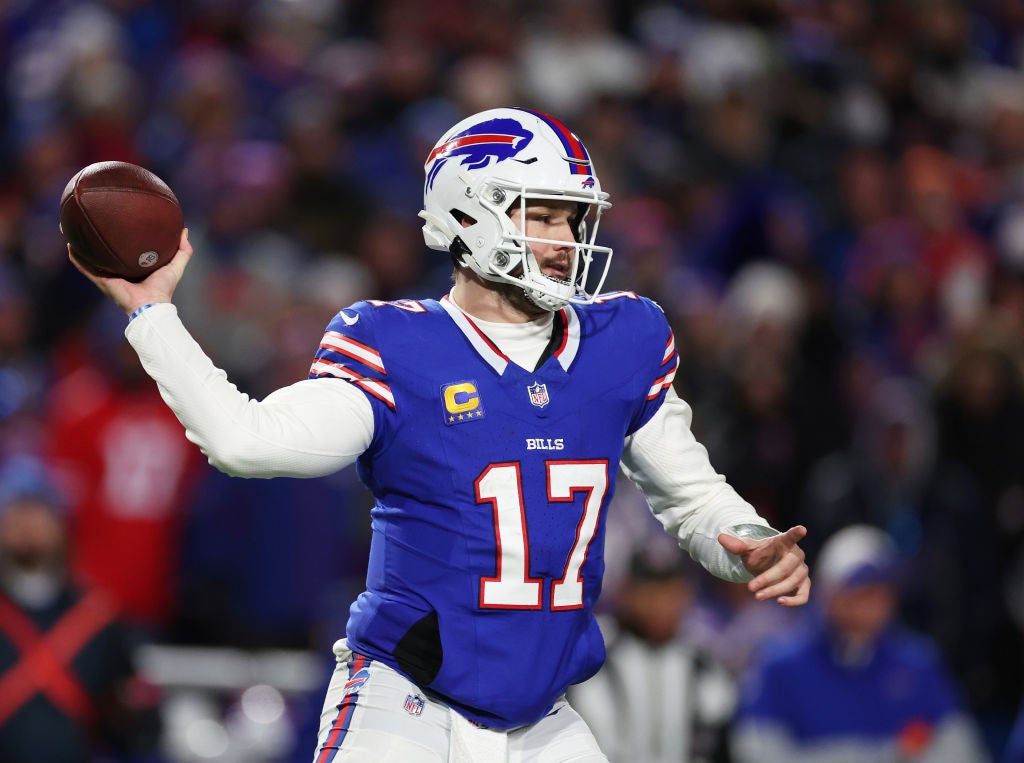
(349, 321)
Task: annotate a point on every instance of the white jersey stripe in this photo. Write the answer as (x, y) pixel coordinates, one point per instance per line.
(670, 350)
(494, 359)
(572, 341)
(377, 388)
(357, 351)
(663, 383)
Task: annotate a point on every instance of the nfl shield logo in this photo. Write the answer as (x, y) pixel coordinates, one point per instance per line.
(539, 394)
(414, 704)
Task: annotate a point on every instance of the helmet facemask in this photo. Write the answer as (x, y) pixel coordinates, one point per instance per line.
(512, 259)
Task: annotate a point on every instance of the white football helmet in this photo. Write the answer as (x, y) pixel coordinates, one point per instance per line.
(481, 168)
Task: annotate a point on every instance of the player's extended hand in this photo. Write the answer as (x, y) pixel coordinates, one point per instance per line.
(157, 287)
(777, 564)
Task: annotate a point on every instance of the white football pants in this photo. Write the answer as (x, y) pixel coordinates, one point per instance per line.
(372, 714)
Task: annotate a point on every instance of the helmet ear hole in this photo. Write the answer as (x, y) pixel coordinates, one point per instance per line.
(464, 219)
(578, 222)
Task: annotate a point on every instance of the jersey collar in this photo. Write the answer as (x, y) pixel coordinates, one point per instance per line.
(565, 351)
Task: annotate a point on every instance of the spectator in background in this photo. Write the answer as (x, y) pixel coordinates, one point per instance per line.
(854, 687)
(658, 699)
(979, 412)
(887, 477)
(120, 455)
(757, 435)
(731, 629)
(262, 558)
(577, 41)
(68, 689)
(23, 369)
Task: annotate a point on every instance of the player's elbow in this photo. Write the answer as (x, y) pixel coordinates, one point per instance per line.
(244, 457)
(228, 453)
(232, 465)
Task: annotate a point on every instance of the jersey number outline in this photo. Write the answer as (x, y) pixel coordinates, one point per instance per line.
(501, 485)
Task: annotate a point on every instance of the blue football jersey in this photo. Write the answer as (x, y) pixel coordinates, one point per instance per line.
(491, 484)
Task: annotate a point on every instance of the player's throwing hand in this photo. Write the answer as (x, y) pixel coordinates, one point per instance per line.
(158, 287)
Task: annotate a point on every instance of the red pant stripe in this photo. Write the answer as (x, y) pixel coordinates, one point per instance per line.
(346, 709)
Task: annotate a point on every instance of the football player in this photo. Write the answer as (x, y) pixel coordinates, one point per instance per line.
(490, 425)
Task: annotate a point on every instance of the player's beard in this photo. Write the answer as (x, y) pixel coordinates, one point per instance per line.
(516, 296)
(512, 293)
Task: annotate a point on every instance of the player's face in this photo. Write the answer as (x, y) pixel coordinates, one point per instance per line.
(31, 537)
(860, 613)
(550, 220)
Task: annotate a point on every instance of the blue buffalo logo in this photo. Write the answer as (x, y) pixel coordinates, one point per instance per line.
(492, 141)
(588, 183)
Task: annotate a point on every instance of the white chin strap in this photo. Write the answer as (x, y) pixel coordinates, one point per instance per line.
(545, 299)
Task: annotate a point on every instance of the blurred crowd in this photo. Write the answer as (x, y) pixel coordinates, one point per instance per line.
(825, 196)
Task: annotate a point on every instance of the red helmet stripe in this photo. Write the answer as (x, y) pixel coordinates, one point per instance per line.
(467, 140)
(573, 146)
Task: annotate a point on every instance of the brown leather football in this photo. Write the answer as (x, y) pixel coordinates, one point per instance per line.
(121, 220)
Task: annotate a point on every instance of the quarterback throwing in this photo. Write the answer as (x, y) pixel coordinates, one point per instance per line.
(490, 425)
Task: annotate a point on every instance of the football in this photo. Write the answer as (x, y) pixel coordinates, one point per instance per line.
(121, 220)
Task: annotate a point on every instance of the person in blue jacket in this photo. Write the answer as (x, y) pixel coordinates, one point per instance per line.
(854, 686)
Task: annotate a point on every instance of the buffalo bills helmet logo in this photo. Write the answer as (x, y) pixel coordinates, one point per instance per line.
(588, 183)
(494, 140)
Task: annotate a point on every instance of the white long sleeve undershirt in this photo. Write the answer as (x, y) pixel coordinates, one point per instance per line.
(318, 426)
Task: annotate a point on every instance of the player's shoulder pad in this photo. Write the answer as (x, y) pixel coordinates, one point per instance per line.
(365, 316)
(628, 301)
(642, 315)
(355, 321)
